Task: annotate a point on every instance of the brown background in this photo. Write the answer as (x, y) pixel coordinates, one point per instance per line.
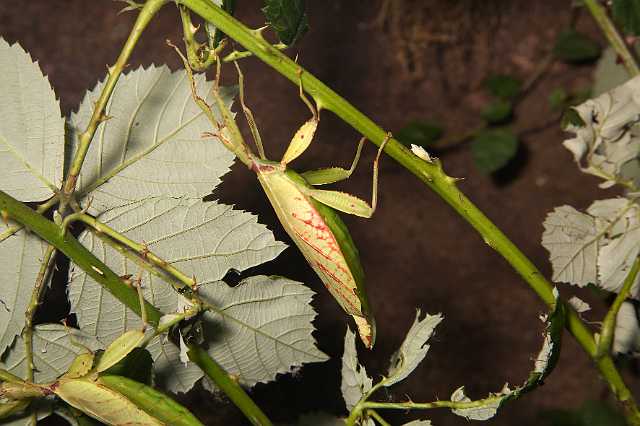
(427, 60)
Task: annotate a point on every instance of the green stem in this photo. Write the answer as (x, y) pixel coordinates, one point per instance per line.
(141, 249)
(599, 13)
(228, 385)
(454, 405)
(27, 332)
(42, 208)
(378, 418)
(429, 173)
(147, 12)
(82, 257)
(609, 323)
(100, 272)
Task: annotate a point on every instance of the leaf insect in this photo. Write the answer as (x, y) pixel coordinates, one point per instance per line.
(307, 214)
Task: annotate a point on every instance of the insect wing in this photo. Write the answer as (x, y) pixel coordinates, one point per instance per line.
(322, 238)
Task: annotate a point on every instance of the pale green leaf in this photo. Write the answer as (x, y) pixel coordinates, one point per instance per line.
(483, 412)
(152, 143)
(572, 240)
(204, 240)
(119, 349)
(608, 143)
(31, 128)
(596, 247)
(265, 322)
(413, 349)
(43, 407)
(20, 259)
(626, 338)
(260, 328)
(579, 305)
(355, 381)
(419, 423)
(54, 349)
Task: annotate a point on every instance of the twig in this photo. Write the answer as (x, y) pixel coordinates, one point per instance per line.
(228, 385)
(148, 11)
(599, 13)
(36, 294)
(609, 323)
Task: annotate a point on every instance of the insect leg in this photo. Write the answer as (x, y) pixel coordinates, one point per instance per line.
(303, 137)
(333, 174)
(249, 115)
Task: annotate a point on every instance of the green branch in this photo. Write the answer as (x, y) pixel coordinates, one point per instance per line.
(429, 173)
(609, 323)
(614, 38)
(34, 302)
(75, 251)
(147, 12)
(128, 295)
(228, 385)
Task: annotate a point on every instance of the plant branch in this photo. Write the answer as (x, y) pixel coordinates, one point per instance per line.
(42, 208)
(27, 332)
(140, 248)
(430, 173)
(609, 323)
(147, 12)
(614, 38)
(82, 257)
(100, 272)
(228, 385)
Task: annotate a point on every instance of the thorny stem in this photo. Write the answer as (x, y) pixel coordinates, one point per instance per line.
(42, 208)
(100, 272)
(378, 418)
(147, 12)
(140, 248)
(429, 173)
(228, 385)
(599, 14)
(27, 332)
(75, 251)
(609, 323)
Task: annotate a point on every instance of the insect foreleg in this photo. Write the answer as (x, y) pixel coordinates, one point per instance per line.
(348, 203)
(249, 115)
(333, 174)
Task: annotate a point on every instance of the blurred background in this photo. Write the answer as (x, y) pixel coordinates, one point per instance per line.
(402, 62)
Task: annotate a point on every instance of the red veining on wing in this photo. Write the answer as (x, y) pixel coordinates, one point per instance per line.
(323, 254)
(337, 280)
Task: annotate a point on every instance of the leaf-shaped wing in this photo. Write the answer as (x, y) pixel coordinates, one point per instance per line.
(54, 349)
(20, 257)
(413, 349)
(355, 381)
(152, 143)
(31, 128)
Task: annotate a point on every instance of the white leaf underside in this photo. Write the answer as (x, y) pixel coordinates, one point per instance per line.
(152, 144)
(31, 128)
(20, 257)
(413, 349)
(355, 381)
(204, 240)
(54, 348)
(597, 247)
(610, 140)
